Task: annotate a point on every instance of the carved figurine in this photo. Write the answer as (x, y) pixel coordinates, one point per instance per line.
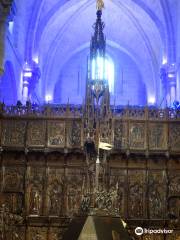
(55, 199)
(85, 204)
(114, 197)
(155, 203)
(136, 204)
(35, 201)
(74, 196)
(100, 5)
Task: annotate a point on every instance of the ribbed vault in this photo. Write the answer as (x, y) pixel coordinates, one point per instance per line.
(141, 28)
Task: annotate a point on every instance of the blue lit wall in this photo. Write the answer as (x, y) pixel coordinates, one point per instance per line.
(129, 86)
(72, 78)
(8, 90)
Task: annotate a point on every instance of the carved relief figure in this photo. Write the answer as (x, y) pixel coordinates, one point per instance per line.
(75, 134)
(137, 135)
(85, 204)
(107, 199)
(174, 131)
(55, 198)
(114, 197)
(156, 194)
(36, 133)
(13, 133)
(74, 194)
(37, 233)
(35, 201)
(13, 179)
(35, 188)
(114, 194)
(174, 184)
(174, 208)
(136, 183)
(74, 198)
(120, 138)
(155, 203)
(117, 191)
(56, 133)
(136, 204)
(157, 137)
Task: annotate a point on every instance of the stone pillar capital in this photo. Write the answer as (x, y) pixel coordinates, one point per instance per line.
(6, 3)
(5, 7)
(168, 74)
(7, 12)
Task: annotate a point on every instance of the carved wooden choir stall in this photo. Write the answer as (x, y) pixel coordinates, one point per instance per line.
(52, 168)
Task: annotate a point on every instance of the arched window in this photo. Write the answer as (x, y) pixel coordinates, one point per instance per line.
(98, 71)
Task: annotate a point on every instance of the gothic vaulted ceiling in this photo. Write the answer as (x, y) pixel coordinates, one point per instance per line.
(143, 29)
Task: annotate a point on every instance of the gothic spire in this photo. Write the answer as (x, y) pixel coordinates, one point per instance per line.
(98, 41)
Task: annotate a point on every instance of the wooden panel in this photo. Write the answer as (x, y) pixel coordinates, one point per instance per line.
(173, 200)
(13, 201)
(35, 184)
(18, 233)
(36, 133)
(56, 233)
(174, 183)
(158, 138)
(120, 135)
(55, 192)
(174, 136)
(75, 181)
(37, 233)
(157, 194)
(56, 134)
(73, 133)
(13, 178)
(137, 136)
(118, 191)
(13, 134)
(59, 185)
(136, 193)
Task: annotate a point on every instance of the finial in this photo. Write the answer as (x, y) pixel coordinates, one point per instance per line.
(100, 5)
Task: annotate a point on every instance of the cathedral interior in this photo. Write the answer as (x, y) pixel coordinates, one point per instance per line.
(89, 119)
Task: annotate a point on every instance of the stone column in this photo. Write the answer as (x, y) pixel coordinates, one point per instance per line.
(25, 92)
(164, 82)
(31, 76)
(178, 82)
(2, 39)
(168, 74)
(5, 8)
(172, 82)
(172, 92)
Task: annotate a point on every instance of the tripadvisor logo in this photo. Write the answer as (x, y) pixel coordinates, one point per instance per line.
(139, 231)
